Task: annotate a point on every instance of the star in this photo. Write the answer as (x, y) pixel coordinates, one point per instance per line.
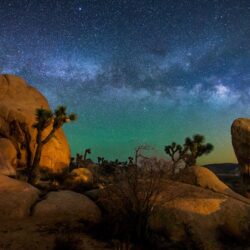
(134, 70)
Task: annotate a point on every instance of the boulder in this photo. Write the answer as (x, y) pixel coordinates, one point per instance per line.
(205, 178)
(79, 178)
(187, 211)
(17, 107)
(16, 198)
(240, 131)
(67, 206)
(93, 194)
(8, 158)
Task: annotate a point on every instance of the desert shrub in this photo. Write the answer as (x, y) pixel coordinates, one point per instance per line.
(129, 200)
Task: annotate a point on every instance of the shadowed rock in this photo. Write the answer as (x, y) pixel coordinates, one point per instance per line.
(240, 131)
(16, 198)
(8, 158)
(67, 206)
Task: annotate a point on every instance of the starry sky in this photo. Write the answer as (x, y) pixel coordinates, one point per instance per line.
(135, 71)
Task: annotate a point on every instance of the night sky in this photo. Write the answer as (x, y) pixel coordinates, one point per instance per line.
(135, 71)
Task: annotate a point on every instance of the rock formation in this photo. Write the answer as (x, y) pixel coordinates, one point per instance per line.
(18, 102)
(16, 198)
(8, 159)
(79, 177)
(67, 206)
(240, 131)
(184, 208)
(205, 178)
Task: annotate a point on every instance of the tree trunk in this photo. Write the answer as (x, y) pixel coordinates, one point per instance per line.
(34, 170)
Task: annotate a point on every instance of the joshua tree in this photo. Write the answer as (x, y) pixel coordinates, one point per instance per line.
(45, 118)
(196, 148)
(87, 151)
(100, 160)
(78, 160)
(190, 151)
(176, 153)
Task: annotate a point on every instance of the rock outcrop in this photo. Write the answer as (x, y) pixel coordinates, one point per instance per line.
(8, 159)
(16, 198)
(240, 131)
(205, 178)
(18, 102)
(67, 206)
(79, 178)
(186, 210)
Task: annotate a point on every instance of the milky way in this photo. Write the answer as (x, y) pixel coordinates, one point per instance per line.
(134, 71)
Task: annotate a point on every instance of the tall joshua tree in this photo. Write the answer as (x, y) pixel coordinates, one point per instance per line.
(45, 118)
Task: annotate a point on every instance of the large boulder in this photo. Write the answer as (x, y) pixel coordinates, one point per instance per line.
(67, 206)
(205, 178)
(186, 211)
(18, 102)
(16, 198)
(8, 158)
(240, 131)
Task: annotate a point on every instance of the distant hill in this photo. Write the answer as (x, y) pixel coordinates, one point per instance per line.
(224, 168)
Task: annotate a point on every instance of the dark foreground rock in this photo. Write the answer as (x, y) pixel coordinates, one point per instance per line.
(240, 131)
(16, 198)
(67, 206)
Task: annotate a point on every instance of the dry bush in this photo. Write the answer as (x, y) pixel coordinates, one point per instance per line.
(130, 199)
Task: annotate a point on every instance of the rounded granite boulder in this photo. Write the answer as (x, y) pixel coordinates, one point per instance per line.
(18, 103)
(67, 206)
(16, 198)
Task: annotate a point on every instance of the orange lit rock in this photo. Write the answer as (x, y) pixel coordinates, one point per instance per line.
(18, 101)
(182, 207)
(205, 178)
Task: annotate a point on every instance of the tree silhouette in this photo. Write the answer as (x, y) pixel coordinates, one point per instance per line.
(196, 148)
(189, 152)
(176, 153)
(86, 152)
(44, 119)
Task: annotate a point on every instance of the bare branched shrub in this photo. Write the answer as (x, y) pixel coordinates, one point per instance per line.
(130, 199)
